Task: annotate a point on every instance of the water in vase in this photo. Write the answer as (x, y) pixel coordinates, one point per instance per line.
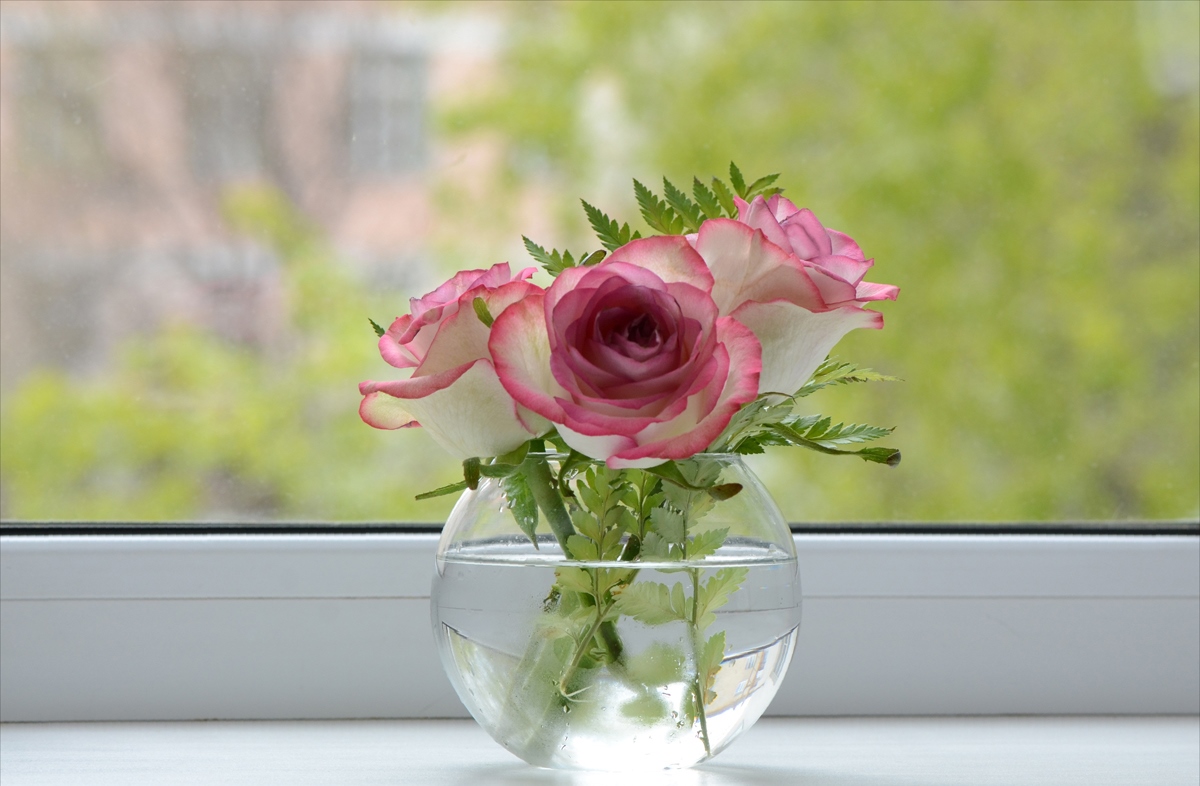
(663, 685)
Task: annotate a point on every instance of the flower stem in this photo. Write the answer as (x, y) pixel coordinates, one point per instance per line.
(698, 688)
(537, 473)
(582, 649)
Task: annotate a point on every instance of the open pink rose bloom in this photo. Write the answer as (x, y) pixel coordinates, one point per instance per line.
(453, 391)
(640, 359)
(630, 358)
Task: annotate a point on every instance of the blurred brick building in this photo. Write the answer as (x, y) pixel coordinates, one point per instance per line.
(122, 124)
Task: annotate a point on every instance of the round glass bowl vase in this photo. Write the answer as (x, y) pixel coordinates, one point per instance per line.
(602, 619)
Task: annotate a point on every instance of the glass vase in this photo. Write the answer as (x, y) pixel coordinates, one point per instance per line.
(605, 619)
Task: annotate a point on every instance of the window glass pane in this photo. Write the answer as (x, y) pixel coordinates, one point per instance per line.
(203, 203)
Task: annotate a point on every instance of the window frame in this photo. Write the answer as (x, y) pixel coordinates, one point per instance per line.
(317, 622)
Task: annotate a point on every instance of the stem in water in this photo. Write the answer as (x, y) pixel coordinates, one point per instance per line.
(698, 689)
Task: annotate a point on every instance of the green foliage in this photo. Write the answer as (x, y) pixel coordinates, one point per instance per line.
(658, 664)
(522, 503)
(379, 331)
(554, 262)
(706, 543)
(761, 186)
(687, 210)
(627, 521)
(815, 432)
(647, 708)
(818, 433)
(481, 311)
(708, 663)
(657, 214)
(706, 200)
(654, 603)
(715, 593)
(770, 420)
(834, 372)
(824, 431)
(670, 524)
(471, 473)
(575, 579)
(678, 213)
(611, 234)
(735, 177)
(721, 191)
(442, 491)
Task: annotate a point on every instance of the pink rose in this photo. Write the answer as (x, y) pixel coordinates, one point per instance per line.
(797, 307)
(630, 358)
(408, 339)
(833, 260)
(453, 391)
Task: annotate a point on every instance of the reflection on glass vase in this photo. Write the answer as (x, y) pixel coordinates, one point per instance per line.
(605, 619)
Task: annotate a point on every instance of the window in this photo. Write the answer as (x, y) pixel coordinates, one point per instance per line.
(229, 103)
(278, 172)
(58, 107)
(181, 338)
(386, 114)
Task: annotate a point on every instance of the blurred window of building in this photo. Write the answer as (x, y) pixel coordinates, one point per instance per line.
(58, 107)
(229, 98)
(386, 113)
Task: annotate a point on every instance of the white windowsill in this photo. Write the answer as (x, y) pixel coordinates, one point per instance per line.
(1163, 751)
(322, 626)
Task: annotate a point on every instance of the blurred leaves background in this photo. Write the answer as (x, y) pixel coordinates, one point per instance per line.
(1028, 174)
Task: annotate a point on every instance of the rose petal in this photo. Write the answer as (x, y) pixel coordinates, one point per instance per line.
(385, 412)
(846, 268)
(748, 267)
(670, 257)
(596, 417)
(596, 447)
(709, 411)
(415, 387)
(406, 342)
(759, 215)
(520, 348)
(796, 340)
(806, 236)
(428, 308)
(402, 355)
(843, 245)
(867, 291)
(474, 416)
(462, 337)
(782, 207)
(567, 282)
(834, 291)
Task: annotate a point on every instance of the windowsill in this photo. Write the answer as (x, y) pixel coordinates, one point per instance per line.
(1057, 751)
(257, 627)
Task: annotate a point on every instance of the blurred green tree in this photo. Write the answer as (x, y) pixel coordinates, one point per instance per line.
(1010, 166)
(186, 425)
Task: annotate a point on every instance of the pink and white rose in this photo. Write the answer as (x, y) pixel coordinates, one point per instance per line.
(798, 306)
(453, 392)
(631, 358)
(832, 259)
(641, 359)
